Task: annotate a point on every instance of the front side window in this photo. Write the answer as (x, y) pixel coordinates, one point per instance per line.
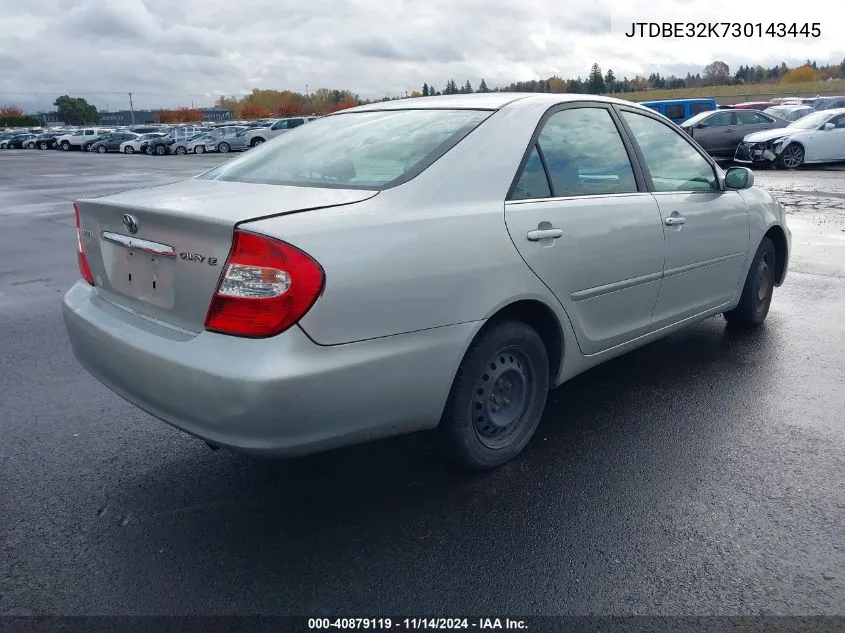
(363, 150)
(584, 154)
(718, 119)
(280, 125)
(673, 163)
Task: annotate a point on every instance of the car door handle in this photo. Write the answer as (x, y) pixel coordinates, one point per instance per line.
(541, 234)
(674, 220)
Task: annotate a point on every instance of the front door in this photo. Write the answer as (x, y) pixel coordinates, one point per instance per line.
(716, 132)
(587, 228)
(830, 144)
(706, 228)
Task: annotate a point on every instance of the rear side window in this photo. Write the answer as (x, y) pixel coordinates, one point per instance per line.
(363, 150)
(676, 111)
(749, 117)
(533, 182)
(584, 154)
(697, 108)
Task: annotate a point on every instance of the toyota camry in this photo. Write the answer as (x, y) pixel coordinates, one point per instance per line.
(422, 264)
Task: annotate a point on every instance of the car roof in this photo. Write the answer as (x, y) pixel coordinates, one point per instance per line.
(487, 101)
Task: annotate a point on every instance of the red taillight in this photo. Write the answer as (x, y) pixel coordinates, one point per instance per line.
(84, 268)
(266, 287)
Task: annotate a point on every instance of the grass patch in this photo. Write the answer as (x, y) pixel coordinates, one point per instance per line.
(837, 86)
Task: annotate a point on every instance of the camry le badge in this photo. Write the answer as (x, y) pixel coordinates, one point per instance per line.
(130, 223)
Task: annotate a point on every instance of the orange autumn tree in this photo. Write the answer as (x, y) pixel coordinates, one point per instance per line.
(252, 111)
(343, 105)
(10, 112)
(181, 115)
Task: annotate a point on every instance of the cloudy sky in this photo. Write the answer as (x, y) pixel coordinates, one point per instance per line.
(178, 52)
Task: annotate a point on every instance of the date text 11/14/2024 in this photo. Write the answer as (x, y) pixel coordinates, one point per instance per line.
(723, 29)
(417, 624)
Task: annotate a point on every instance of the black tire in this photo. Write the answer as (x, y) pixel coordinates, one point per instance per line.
(65, 146)
(43, 145)
(148, 150)
(481, 428)
(753, 306)
(223, 148)
(128, 150)
(30, 145)
(792, 156)
(102, 149)
(160, 150)
(199, 149)
(256, 142)
(181, 151)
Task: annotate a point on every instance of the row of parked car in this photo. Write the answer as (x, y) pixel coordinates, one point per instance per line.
(155, 140)
(785, 133)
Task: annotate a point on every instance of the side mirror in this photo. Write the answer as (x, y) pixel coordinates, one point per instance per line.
(739, 178)
(828, 127)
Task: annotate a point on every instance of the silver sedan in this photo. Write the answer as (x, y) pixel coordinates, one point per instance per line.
(435, 263)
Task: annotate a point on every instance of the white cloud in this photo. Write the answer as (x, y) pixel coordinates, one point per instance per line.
(174, 52)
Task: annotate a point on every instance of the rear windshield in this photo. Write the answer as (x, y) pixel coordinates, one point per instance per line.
(358, 150)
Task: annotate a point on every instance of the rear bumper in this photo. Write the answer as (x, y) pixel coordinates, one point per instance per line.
(279, 396)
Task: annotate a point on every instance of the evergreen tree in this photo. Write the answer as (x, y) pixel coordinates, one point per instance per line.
(467, 89)
(482, 87)
(610, 80)
(595, 84)
(425, 90)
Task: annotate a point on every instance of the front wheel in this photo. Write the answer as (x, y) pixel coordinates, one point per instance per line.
(753, 306)
(149, 151)
(30, 145)
(102, 149)
(498, 396)
(223, 148)
(256, 142)
(160, 150)
(43, 145)
(65, 146)
(199, 149)
(791, 157)
(181, 151)
(128, 150)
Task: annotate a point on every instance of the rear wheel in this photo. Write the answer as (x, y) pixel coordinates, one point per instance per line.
(102, 149)
(65, 146)
(43, 145)
(128, 150)
(498, 396)
(181, 151)
(160, 150)
(199, 149)
(149, 150)
(791, 157)
(753, 306)
(223, 148)
(30, 145)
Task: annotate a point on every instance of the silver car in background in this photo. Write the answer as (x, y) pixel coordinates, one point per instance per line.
(789, 113)
(421, 264)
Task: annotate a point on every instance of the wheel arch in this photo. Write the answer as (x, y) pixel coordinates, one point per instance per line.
(543, 319)
(778, 237)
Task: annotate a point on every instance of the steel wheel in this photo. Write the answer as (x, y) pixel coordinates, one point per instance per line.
(199, 149)
(500, 396)
(758, 290)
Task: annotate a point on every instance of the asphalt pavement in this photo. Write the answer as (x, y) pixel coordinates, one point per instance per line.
(702, 474)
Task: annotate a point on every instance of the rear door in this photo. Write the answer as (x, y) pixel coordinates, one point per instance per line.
(706, 228)
(580, 216)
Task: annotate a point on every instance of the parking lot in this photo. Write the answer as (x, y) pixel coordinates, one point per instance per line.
(699, 474)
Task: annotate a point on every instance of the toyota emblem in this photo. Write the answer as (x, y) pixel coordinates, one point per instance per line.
(130, 223)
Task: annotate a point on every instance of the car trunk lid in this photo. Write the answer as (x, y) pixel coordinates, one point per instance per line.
(160, 251)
